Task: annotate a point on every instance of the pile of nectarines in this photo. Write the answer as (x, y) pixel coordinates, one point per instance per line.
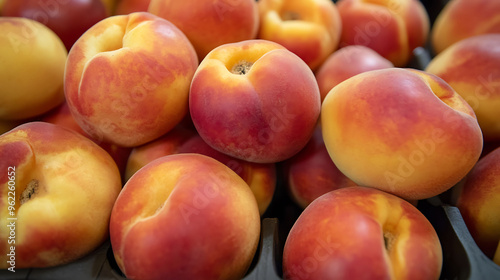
(171, 128)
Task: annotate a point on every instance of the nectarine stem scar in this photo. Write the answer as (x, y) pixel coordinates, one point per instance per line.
(388, 240)
(242, 67)
(30, 191)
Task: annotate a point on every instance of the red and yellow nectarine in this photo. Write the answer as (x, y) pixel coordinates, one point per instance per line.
(309, 28)
(403, 131)
(185, 216)
(472, 68)
(60, 189)
(478, 202)
(393, 28)
(362, 233)
(254, 100)
(127, 78)
(461, 19)
(261, 178)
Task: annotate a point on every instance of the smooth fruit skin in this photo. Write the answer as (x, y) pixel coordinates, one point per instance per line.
(393, 28)
(265, 114)
(309, 28)
(65, 188)
(166, 145)
(127, 78)
(312, 173)
(461, 19)
(345, 63)
(472, 67)
(361, 233)
(478, 202)
(31, 69)
(208, 23)
(61, 115)
(185, 216)
(261, 178)
(403, 131)
(69, 19)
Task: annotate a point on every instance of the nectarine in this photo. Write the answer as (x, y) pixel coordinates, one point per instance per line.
(57, 192)
(403, 131)
(347, 62)
(478, 202)
(309, 28)
(185, 216)
(254, 100)
(472, 68)
(32, 68)
(261, 178)
(362, 233)
(393, 28)
(127, 78)
(461, 19)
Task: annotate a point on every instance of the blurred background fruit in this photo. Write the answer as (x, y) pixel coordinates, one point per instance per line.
(32, 65)
(69, 19)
